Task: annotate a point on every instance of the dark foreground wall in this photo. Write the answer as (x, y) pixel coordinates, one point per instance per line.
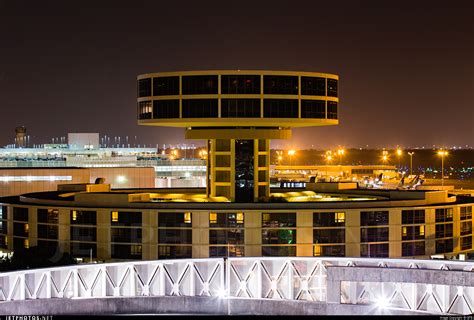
(184, 305)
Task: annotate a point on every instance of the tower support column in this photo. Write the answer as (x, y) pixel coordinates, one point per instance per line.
(238, 165)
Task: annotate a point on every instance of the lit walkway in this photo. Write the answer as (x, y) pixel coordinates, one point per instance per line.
(247, 285)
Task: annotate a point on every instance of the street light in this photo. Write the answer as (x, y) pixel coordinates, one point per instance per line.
(384, 155)
(203, 154)
(291, 153)
(411, 162)
(399, 154)
(340, 153)
(279, 156)
(443, 154)
(329, 156)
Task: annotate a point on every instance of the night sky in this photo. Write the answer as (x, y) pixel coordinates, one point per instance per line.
(406, 67)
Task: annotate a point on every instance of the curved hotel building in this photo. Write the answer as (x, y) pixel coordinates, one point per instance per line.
(238, 112)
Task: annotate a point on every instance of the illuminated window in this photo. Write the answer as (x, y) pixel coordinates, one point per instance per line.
(329, 251)
(114, 216)
(187, 217)
(240, 217)
(145, 109)
(212, 217)
(135, 250)
(340, 217)
(317, 251)
(404, 231)
(27, 227)
(266, 217)
(27, 243)
(449, 213)
(422, 230)
(74, 215)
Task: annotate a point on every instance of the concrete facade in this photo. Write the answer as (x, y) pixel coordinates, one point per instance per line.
(304, 243)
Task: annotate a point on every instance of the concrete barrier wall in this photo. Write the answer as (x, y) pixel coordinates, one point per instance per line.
(186, 305)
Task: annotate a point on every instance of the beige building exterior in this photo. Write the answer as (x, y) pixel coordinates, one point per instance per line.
(121, 224)
(15, 181)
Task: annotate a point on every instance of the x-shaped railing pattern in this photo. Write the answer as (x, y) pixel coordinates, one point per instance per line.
(289, 278)
(415, 296)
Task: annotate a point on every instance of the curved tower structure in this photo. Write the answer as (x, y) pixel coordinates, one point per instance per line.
(238, 112)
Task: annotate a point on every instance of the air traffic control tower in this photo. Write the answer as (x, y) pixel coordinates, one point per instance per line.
(238, 112)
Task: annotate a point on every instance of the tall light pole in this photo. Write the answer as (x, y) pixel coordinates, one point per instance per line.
(291, 153)
(384, 156)
(411, 162)
(279, 156)
(442, 153)
(203, 154)
(329, 156)
(340, 153)
(175, 153)
(399, 154)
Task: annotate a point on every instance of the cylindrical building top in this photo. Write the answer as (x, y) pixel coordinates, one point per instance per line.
(237, 98)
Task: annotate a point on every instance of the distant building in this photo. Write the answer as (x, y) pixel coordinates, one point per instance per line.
(83, 140)
(168, 173)
(20, 137)
(331, 172)
(15, 181)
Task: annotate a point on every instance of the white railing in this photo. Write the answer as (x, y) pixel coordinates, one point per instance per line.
(443, 286)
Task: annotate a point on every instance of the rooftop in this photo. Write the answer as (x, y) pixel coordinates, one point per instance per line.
(99, 196)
